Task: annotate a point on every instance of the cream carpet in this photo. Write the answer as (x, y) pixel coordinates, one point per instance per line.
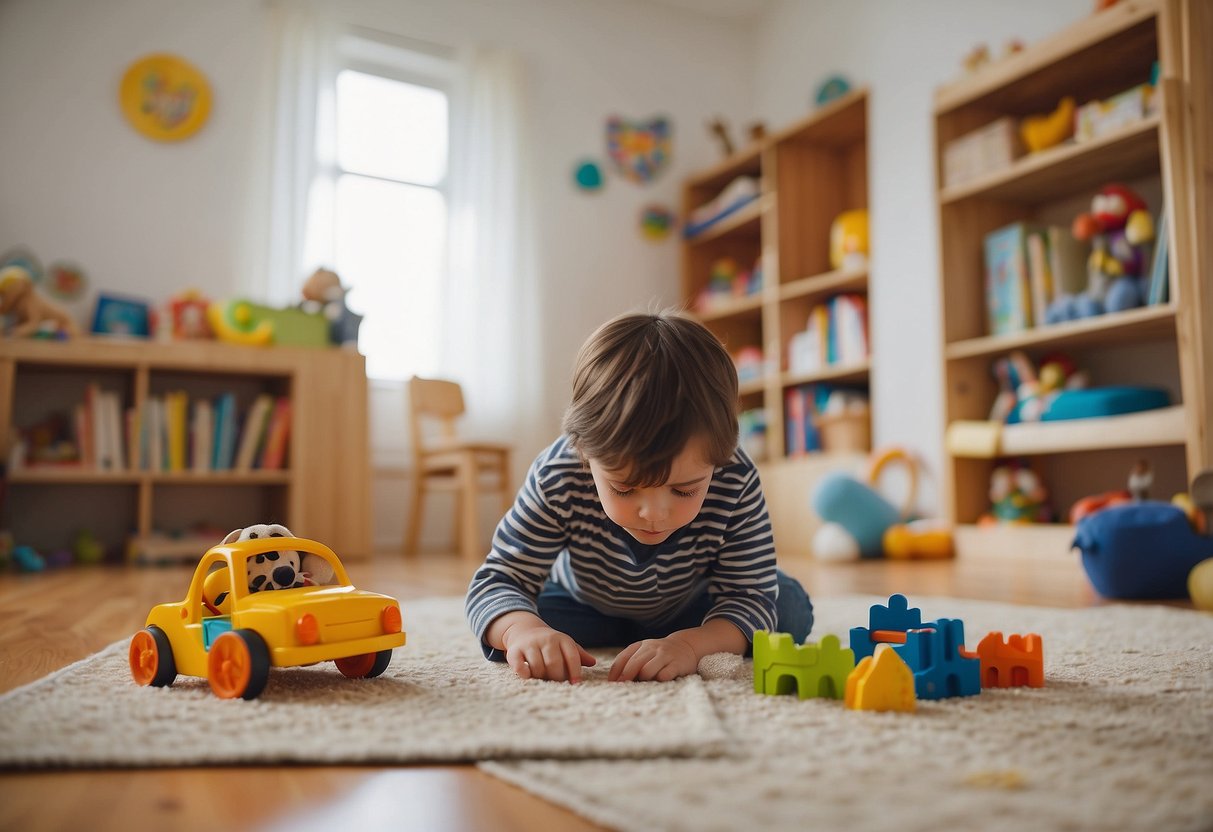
(1121, 738)
(439, 700)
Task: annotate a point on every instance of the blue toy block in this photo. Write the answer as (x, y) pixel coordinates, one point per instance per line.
(934, 655)
(898, 616)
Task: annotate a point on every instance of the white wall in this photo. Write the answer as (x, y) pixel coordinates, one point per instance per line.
(77, 183)
(902, 51)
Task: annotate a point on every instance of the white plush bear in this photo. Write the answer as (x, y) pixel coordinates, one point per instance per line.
(284, 569)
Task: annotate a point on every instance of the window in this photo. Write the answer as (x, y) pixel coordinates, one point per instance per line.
(390, 212)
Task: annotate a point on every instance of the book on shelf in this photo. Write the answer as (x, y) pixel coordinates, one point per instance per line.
(1040, 273)
(1159, 286)
(800, 403)
(273, 457)
(1008, 292)
(254, 431)
(176, 405)
(224, 452)
(836, 333)
(202, 436)
(1067, 261)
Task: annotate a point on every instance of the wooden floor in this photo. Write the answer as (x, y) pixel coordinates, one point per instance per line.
(53, 619)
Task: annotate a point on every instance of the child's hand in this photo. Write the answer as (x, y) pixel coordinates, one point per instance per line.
(660, 659)
(539, 652)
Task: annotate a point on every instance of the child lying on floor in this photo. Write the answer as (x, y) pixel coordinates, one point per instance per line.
(643, 526)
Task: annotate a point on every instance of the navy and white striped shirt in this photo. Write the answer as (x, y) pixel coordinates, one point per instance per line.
(558, 528)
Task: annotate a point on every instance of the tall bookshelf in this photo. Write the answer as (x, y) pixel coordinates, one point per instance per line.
(809, 173)
(1166, 158)
(322, 492)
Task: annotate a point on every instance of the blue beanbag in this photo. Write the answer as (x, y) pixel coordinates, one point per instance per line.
(1099, 401)
(1140, 550)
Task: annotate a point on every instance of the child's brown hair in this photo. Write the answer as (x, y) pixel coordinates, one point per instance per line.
(643, 386)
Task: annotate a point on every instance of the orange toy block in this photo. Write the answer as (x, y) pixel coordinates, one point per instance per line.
(1017, 662)
(881, 682)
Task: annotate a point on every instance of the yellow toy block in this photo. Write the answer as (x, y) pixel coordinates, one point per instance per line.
(881, 682)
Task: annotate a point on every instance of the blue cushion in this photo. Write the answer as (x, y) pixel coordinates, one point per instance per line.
(1099, 401)
(1140, 550)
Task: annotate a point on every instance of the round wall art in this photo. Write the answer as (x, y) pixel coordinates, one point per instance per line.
(165, 97)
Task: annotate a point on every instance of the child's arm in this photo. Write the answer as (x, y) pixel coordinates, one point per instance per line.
(536, 651)
(678, 654)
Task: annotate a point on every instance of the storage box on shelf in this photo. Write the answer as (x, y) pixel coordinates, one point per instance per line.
(143, 481)
(1166, 345)
(807, 175)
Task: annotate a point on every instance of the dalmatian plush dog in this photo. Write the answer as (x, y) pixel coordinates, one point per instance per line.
(284, 569)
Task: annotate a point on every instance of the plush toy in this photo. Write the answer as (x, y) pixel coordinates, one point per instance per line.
(285, 569)
(1017, 495)
(324, 293)
(1040, 132)
(849, 240)
(1120, 230)
(32, 313)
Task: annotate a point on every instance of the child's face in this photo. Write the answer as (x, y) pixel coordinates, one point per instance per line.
(652, 514)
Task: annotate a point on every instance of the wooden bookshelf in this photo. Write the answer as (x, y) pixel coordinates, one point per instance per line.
(323, 491)
(1166, 154)
(809, 173)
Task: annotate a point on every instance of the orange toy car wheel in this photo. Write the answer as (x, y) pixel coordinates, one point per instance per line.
(151, 658)
(238, 664)
(364, 666)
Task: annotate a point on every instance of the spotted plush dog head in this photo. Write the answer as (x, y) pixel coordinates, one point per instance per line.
(272, 570)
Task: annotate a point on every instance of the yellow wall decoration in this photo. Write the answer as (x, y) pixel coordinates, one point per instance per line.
(165, 97)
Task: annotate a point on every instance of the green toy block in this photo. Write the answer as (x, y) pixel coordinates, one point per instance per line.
(294, 327)
(816, 670)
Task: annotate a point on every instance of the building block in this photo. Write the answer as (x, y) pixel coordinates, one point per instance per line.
(941, 666)
(812, 670)
(883, 621)
(881, 682)
(1017, 662)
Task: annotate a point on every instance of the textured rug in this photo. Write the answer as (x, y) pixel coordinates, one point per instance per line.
(1120, 738)
(439, 700)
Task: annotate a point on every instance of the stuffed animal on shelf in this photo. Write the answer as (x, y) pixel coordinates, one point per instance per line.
(1017, 495)
(324, 293)
(1120, 230)
(284, 569)
(1041, 132)
(33, 314)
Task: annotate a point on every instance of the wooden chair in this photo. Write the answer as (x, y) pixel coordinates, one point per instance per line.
(469, 469)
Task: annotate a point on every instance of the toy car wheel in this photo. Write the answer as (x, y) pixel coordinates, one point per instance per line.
(364, 666)
(151, 658)
(238, 664)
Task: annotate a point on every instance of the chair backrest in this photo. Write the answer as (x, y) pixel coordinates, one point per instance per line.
(437, 400)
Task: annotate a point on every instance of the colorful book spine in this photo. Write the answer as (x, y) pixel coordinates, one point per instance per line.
(274, 456)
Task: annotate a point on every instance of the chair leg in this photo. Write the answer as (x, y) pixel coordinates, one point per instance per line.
(412, 529)
(469, 533)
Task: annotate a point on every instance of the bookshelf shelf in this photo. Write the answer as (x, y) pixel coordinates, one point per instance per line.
(1148, 429)
(832, 282)
(732, 308)
(1122, 155)
(744, 222)
(321, 491)
(1144, 324)
(848, 373)
(752, 387)
(1165, 155)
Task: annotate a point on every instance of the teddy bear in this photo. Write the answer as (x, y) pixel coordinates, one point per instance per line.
(284, 569)
(33, 314)
(323, 293)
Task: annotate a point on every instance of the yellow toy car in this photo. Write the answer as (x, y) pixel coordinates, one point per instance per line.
(231, 636)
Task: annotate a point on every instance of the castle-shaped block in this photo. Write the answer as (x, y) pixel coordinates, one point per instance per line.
(1017, 662)
(812, 670)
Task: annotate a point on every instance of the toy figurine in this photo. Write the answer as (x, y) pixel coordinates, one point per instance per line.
(324, 293)
(33, 314)
(1018, 495)
(1120, 231)
(849, 240)
(1040, 132)
(720, 131)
